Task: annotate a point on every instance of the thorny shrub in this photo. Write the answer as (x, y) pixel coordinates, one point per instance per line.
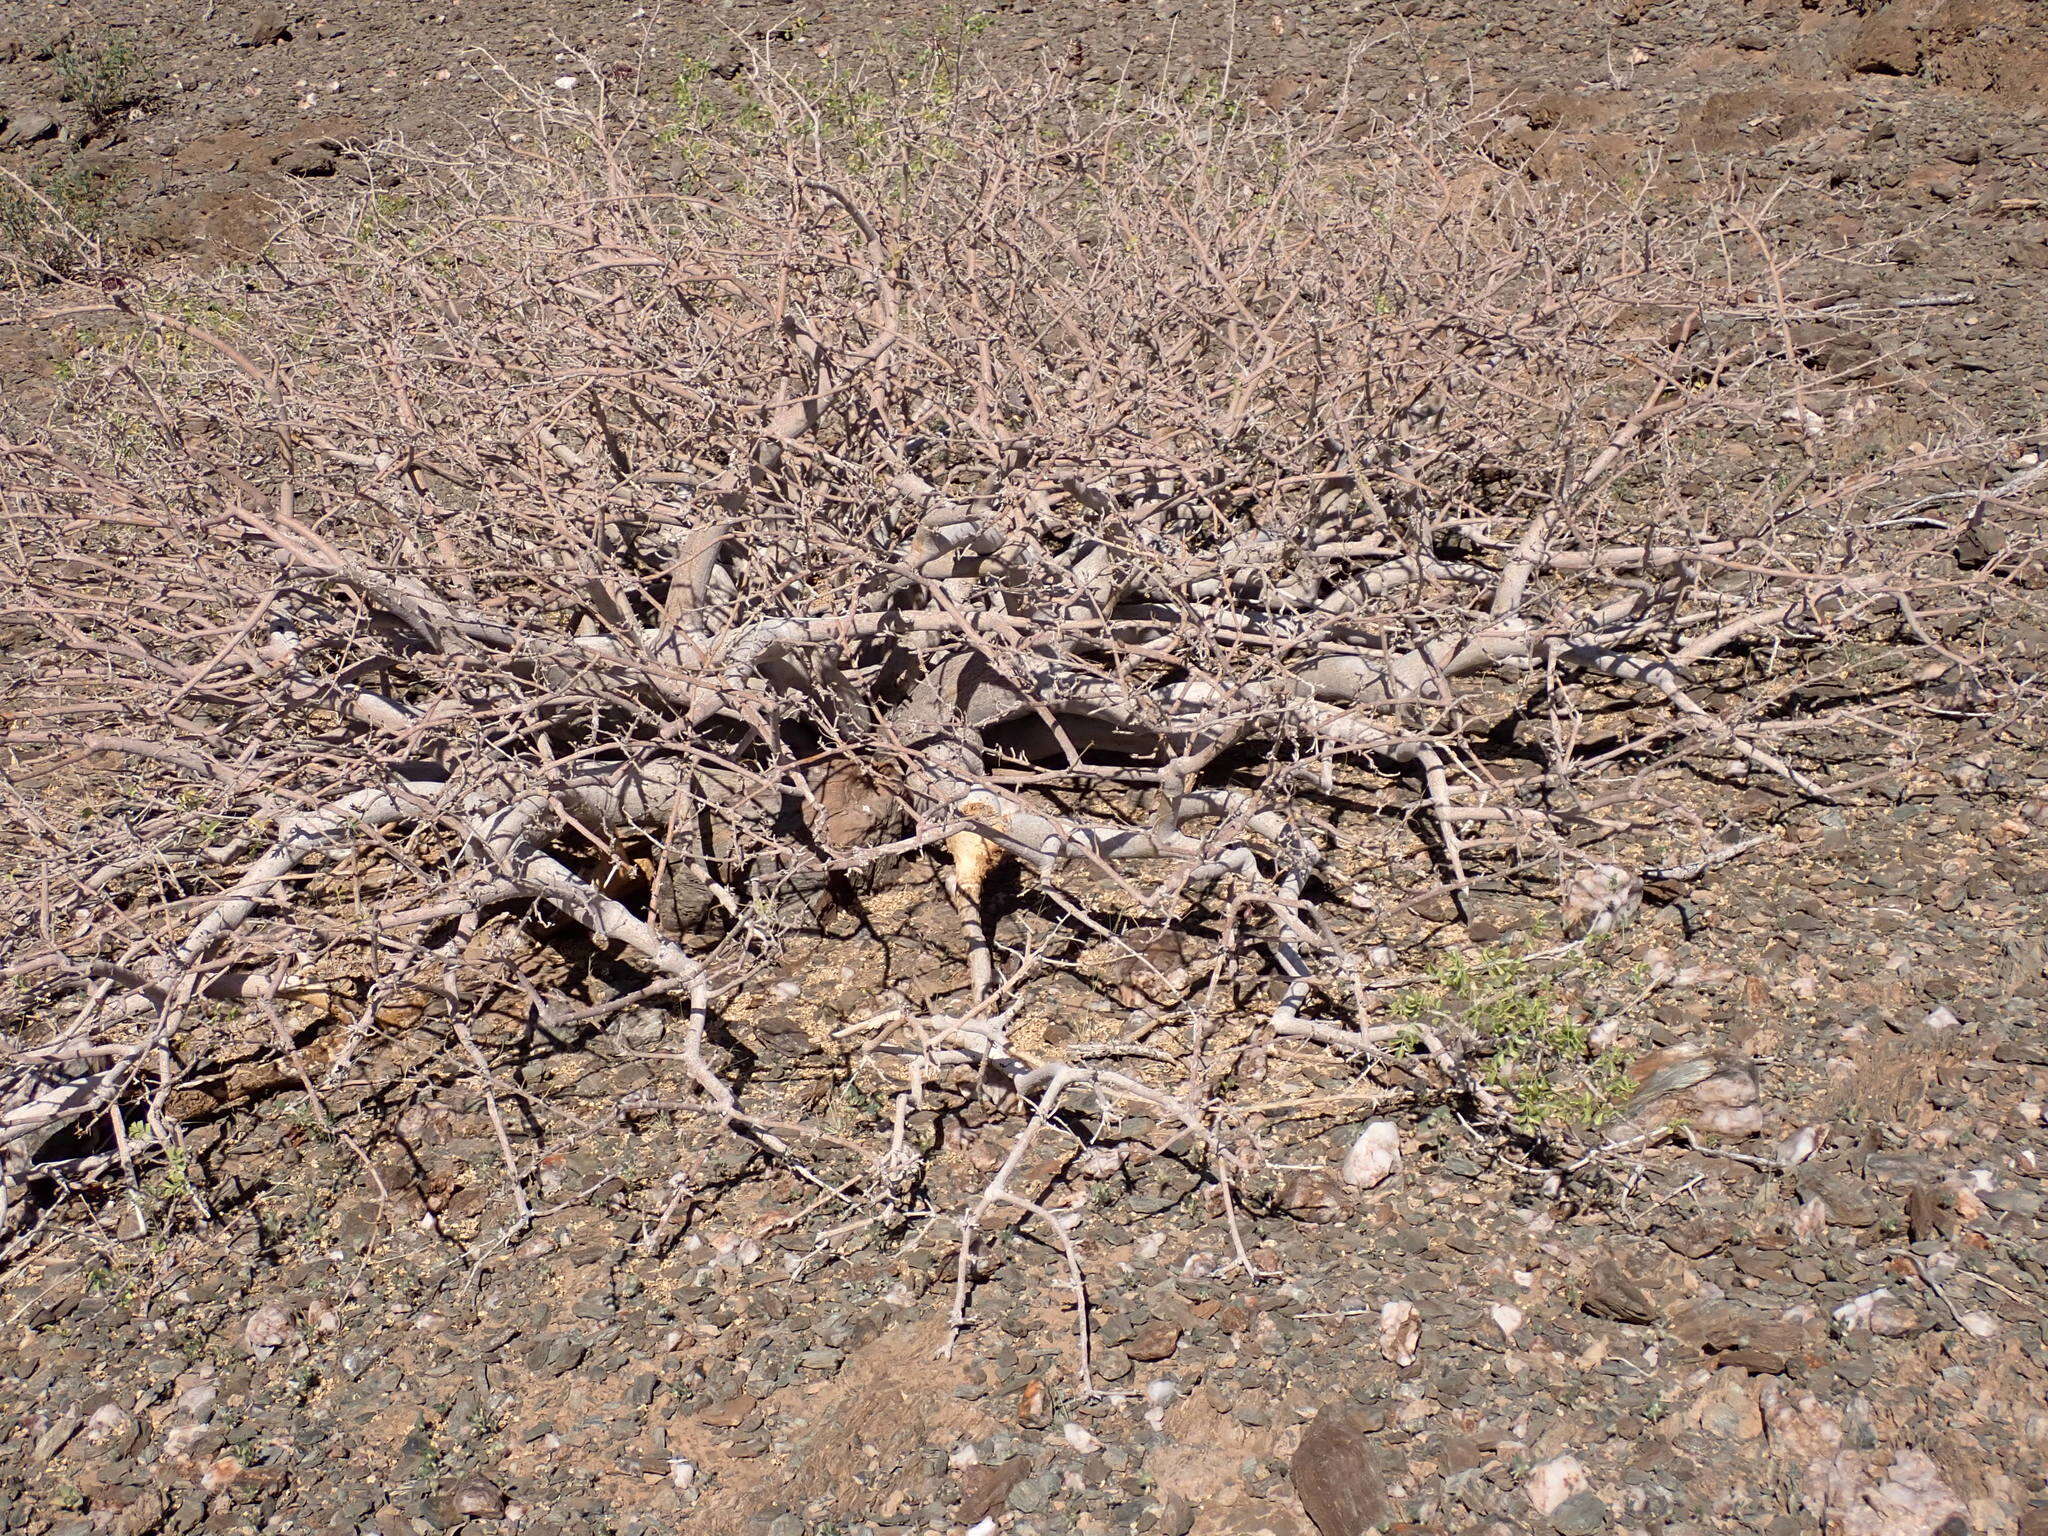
(659, 524)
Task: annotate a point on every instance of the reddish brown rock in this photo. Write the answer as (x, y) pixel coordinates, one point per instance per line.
(1335, 1476)
(983, 1489)
(1881, 47)
(1155, 1341)
(729, 1414)
(1613, 1295)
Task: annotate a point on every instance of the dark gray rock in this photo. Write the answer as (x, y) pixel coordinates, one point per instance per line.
(1580, 1515)
(1033, 1495)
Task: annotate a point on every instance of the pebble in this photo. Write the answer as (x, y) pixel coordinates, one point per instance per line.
(27, 126)
(1155, 1341)
(1374, 1157)
(267, 24)
(1580, 1515)
(2015, 1202)
(1611, 1294)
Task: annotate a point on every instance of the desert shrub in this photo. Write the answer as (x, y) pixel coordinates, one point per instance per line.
(103, 77)
(642, 536)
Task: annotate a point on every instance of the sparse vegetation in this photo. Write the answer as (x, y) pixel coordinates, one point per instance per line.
(1536, 1048)
(103, 78)
(53, 225)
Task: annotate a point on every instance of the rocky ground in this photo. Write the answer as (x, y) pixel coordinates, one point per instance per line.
(330, 1311)
(1832, 1324)
(1914, 135)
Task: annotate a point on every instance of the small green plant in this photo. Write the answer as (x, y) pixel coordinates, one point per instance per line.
(694, 108)
(175, 1182)
(103, 80)
(1540, 1051)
